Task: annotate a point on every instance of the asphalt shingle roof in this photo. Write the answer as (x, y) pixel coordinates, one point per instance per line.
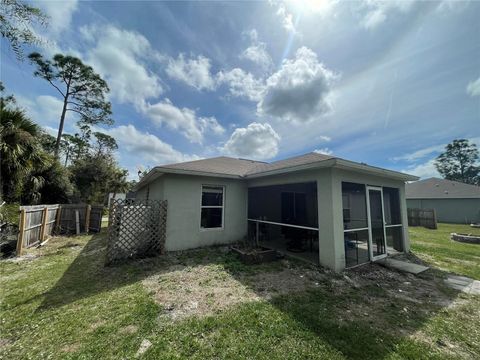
(242, 167)
(217, 165)
(435, 188)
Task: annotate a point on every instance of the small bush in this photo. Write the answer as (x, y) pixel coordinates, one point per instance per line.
(10, 213)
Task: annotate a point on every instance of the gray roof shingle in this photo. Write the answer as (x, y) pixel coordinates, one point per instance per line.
(435, 188)
(218, 165)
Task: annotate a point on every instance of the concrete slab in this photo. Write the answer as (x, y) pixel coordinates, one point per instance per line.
(463, 284)
(402, 266)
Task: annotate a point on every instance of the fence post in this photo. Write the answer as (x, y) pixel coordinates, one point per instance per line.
(434, 220)
(57, 219)
(44, 224)
(21, 233)
(87, 218)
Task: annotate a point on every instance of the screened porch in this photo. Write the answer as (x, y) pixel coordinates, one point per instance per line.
(285, 218)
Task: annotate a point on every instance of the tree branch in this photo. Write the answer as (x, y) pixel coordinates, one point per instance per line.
(56, 87)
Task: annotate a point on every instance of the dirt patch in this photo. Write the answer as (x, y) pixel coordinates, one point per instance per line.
(130, 329)
(70, 348)
(97, 324)
(206, 289)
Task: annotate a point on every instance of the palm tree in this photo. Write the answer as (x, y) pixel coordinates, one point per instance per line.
(19, 151)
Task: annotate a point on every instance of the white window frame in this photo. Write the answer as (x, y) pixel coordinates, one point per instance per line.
(212, 207)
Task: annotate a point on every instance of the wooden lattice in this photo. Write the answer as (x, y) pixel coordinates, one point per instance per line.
(136, 228)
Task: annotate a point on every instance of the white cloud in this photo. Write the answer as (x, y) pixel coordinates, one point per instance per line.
(121, 56)
(424, 170)
(473, 88)
(60, 14)
(146, 147)
(257, 52)
(194, 72)
(210, 123)
(324, 138)
(44, 109)
(299, 91)
(287, 19)
(420, 154)
(323, 151)
(242, 84)
(257, 141)
(377, 11)
(182, 119)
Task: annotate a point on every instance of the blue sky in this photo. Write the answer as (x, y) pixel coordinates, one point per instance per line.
(386, 83)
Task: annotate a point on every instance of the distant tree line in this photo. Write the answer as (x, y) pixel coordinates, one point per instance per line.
(37, 167)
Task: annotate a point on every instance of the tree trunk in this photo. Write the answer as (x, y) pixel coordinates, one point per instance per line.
(60, 127)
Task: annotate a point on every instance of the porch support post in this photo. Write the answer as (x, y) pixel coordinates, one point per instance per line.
(330, 220)
(404, 214)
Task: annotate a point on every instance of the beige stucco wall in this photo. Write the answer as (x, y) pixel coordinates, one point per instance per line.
(183, 193)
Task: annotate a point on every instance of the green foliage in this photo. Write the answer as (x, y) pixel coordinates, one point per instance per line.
(56, 186)
(96, 175)
(16, 20)
(459, 162)
(9, 213)
(20, 153)
(82, 90)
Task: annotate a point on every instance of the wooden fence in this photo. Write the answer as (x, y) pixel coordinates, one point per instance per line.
(422, 217)
(136, 228)
(38, 222)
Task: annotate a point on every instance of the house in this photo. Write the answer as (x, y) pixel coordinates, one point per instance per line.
(453, 201)
(332, 211)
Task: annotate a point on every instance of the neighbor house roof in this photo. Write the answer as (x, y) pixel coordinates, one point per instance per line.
(435, 188)
(228, 167)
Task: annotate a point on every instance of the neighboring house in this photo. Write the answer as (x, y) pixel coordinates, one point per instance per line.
(116, 196)
(453, 201)
(318, 207)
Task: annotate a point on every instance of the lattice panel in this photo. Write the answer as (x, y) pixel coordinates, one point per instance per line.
(136, 228)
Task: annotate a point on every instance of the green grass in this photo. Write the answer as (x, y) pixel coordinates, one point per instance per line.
(66, 304)
(435, 247)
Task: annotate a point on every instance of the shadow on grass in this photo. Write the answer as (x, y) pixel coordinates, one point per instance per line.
(368, 312)
(87, 275)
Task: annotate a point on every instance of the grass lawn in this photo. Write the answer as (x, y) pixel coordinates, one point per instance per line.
(436, 248)
(59, 301)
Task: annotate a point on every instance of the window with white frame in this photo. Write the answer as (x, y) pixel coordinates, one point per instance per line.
(212, 207)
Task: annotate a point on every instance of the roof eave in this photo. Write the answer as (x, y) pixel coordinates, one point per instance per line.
(351, 165)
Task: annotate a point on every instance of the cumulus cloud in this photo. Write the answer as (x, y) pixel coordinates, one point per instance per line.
(242, 83)
(473, 88)
(146, 146)
(257, 52)
(377, 11)
(121, 56)
(194, 72)
(257, 141)
(299, 90)
(424, 170)
(323, 151)
(184, 120)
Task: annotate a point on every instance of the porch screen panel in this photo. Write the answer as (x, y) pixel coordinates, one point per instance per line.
(393, 218)
(355, 223)
(294, 204)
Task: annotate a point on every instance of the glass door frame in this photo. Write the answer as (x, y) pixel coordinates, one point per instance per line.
(370, 235)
